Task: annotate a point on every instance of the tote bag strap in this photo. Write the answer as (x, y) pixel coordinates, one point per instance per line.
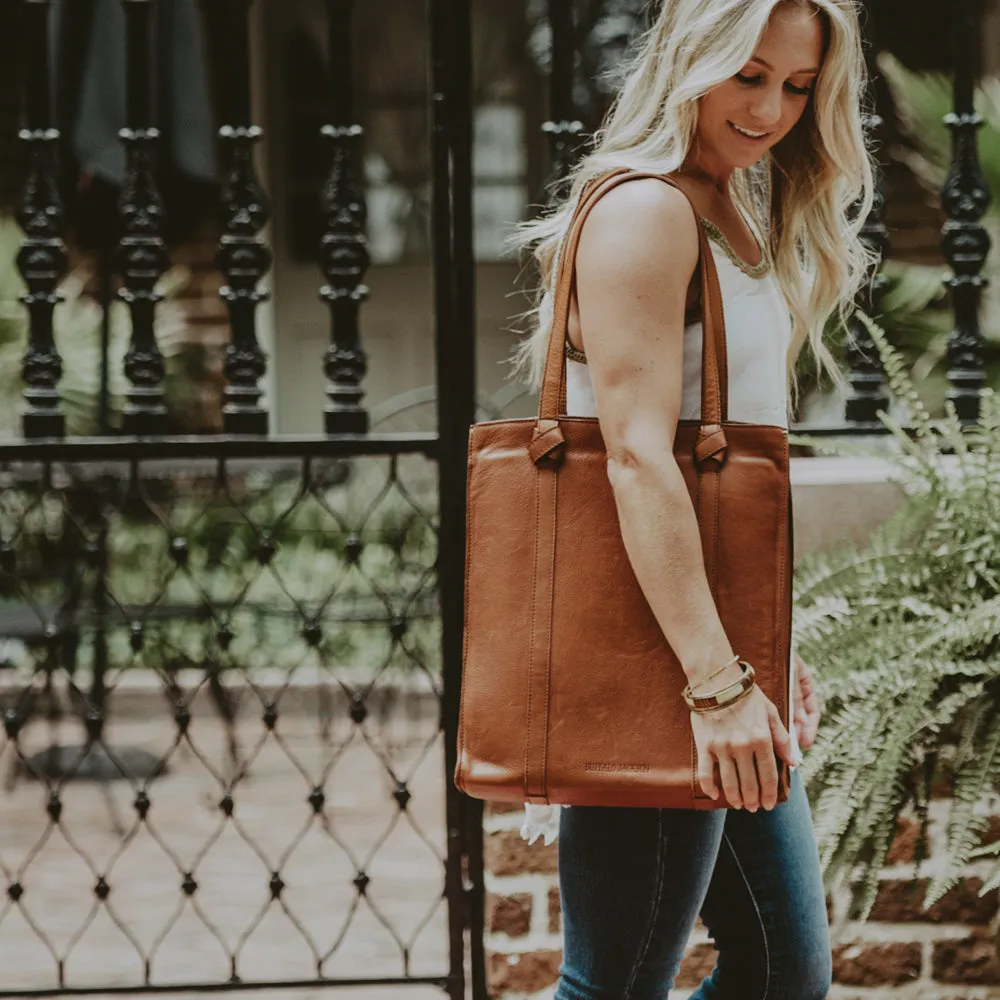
(548, 446)
(714, 369)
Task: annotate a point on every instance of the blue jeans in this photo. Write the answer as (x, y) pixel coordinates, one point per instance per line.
(632, 881)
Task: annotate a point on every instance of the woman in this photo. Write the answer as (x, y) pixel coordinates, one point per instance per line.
(755, 106)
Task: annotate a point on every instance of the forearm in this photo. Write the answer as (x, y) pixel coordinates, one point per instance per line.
(660, 532)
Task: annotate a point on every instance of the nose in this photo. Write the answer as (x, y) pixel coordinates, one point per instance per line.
(766, 109)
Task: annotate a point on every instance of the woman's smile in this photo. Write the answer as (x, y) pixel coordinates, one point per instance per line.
(750, 136)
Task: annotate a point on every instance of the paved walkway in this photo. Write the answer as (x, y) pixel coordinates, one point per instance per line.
(230, 918)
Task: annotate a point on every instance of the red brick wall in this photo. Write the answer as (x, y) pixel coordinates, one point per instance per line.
(902, 952)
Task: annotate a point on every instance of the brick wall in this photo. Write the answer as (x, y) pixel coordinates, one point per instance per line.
(946, 953)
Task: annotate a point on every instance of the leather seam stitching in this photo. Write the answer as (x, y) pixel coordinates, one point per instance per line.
(465, 610)
(710, 298)
(783, 610)
(548, 652)
(715, 374)
(694, 748)
(534, 637)
(716, 504)
(696, 789)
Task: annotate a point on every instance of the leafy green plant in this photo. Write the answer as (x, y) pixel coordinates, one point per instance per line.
(905, 633)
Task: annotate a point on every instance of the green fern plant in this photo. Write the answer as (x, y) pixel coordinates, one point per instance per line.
(905, 636)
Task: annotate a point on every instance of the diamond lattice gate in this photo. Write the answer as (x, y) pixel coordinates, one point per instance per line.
(229, 665)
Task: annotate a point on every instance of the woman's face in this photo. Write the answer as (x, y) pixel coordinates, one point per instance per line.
(744, 117)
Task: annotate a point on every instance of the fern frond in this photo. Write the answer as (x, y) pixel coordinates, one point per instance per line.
(993, 880)
(904, 634)
(979, 623)
(898, 376)
(878, 840)
(976, 777)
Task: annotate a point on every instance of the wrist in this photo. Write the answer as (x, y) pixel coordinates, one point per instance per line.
(706, 701)
(702, 667)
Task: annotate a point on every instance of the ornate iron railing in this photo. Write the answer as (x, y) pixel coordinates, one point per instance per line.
(283, 612)
(230, 664)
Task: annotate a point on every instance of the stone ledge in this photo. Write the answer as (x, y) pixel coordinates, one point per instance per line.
(825, 470)
(838, 499)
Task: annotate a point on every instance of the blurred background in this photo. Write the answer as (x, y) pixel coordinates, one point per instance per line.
(511, 51)
(253, 291)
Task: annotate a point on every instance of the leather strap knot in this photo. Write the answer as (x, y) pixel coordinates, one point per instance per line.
(712, 445)
(548, 444)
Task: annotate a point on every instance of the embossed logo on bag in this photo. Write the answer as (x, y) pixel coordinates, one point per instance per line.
(616, 768)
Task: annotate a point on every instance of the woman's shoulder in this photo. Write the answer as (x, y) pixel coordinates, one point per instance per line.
(645, 199)
(641, 223)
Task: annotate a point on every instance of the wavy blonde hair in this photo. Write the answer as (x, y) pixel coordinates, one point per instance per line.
(810, 195)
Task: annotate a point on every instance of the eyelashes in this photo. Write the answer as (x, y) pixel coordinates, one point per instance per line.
(753, 81)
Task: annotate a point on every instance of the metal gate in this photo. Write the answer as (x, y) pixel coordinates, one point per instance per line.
(231, 663)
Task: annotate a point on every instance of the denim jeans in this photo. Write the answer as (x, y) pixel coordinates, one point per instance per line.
(632, 882)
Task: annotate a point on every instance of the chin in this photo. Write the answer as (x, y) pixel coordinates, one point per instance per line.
(744, 162)
(745, 159)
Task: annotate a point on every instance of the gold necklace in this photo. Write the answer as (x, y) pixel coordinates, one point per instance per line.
(758, 270)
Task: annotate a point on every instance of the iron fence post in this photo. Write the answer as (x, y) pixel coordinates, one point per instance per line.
(454, 275)
(563, 128)
(965, 198)
(42, 259)
(142, 254)
(865, 376)
(343, 247)
(243, 256)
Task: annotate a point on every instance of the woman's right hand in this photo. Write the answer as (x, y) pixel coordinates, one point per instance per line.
(742, 739)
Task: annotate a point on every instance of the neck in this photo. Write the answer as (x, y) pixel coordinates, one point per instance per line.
(702, 166)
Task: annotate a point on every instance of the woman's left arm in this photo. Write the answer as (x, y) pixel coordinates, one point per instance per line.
(807, 704)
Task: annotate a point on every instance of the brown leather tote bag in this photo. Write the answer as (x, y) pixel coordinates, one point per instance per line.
(570, 692)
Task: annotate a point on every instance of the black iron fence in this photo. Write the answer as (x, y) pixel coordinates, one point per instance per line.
(230, 666)
(230, 679)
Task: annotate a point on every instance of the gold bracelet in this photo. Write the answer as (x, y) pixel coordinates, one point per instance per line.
(691, 687)
(724, 696)
(729, 704)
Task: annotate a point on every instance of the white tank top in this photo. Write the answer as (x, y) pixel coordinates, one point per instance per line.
(758, 338)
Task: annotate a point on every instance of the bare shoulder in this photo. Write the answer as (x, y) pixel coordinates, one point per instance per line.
(638, 252)
(642, 227)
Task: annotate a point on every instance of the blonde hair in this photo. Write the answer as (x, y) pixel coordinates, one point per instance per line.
(810, 195)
